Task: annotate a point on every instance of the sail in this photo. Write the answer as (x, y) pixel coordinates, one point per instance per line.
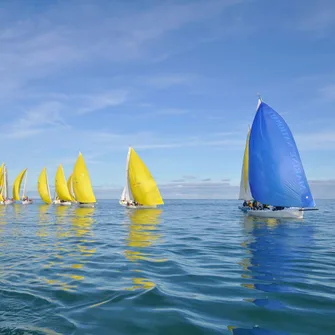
(2, 176)
(61, 186)
(6, 183)
(17, 185)
(70, 187)
(82, 187)
(43, 187)
(142, 185)
(245, 193)
(126, 193)
(276, 174)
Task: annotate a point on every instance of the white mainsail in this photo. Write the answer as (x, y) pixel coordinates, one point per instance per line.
(126, 193)
(245, 193)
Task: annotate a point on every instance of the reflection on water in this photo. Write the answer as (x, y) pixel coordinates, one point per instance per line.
(52, 277)
(43, 220)
(70, 246)
(142, 235)
(62, 215)
(272, 247)
(3, 221)
(18, 210)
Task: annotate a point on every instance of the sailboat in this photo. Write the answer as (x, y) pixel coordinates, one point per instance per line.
(141, 190)
(17, 187)
(4, 186)
(245, 193)
(61, 188)
(81, 183)
(275, 172)
(43, 187)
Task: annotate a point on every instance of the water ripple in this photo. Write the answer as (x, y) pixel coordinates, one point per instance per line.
(194, 267)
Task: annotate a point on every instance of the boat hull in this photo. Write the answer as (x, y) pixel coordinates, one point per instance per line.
(135, 207)
(65, 203)
(287, 213)
(6, 202)
(27, 202)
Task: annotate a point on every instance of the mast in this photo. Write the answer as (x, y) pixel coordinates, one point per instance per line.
(25, 184)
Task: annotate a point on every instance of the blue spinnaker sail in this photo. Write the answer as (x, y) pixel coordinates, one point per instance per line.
(276, 174)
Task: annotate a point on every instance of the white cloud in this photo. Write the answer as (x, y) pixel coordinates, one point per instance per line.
(43, 117)
(51, 39)
(93, 103)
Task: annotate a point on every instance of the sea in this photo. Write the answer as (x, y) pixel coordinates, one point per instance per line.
(191, 267)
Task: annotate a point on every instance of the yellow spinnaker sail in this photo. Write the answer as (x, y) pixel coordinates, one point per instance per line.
(246, 163)
(61, 185)
(70, 187)
(82, 187)
(142, 184)
(17, 185)
(43, 187)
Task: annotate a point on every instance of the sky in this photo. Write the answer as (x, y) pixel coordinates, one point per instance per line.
(177, 80)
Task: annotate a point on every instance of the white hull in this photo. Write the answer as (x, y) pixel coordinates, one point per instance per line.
(87, 205)
(6, 202)
(65, 203)
(27, 202)
(123, 204)
(287, 213)
(62, 203)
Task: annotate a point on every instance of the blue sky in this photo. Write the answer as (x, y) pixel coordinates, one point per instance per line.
(177, 80)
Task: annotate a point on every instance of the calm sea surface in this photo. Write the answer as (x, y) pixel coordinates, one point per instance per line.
(194, 267)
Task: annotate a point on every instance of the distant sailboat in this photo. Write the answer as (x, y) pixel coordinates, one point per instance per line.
(4, 186)
(141, 190)
(276, 175)
(17, 187)
(245, 193)
(61, 188)
(43, 187)
(81, 182)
